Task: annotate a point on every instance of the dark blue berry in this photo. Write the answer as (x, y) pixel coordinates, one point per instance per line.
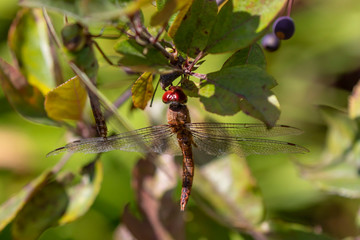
(284, 27)
(270, 42)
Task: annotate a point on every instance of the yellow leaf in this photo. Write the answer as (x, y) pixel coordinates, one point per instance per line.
(66, 101)
(176, 24)
(171, 7)
(142, 90)
(135, 6)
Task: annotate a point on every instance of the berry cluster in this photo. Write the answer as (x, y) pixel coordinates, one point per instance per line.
(283, 29)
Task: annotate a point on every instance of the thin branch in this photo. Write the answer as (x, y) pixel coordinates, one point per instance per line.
(289, 7)
(158, 35)
(118, 102)
(103, 54)
(153, 96)
(197, 75)
(198, 57)
(51, 28)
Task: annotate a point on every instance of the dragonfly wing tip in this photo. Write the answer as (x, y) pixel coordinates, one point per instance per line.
(55, 152)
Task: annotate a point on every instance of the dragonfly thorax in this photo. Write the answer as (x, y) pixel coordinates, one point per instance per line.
(178, 114)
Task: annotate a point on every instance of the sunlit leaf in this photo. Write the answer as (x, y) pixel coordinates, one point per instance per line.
(247, 82)
(251, 55)
(160, 4)
(142, 90)
(89, 11)
(193, 33)
(169, 8)
(267, 10)
(26, 99)
(132, 7)
(42, 210)
(11, 207)
(66, 101)
(29, 42)
(178, 19)
(354, 102)
(83, 194)
(232, 30)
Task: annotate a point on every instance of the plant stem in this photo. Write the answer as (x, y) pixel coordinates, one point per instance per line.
(289, 7)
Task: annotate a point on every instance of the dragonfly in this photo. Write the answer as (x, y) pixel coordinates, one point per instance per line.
(180, 136)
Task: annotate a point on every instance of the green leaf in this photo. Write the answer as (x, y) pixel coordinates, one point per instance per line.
(340, 178)
(218, 100)
(138, 58)
(48, 201)
(26, 99)
(190, 88)
(267, 10)
(251, 110)
(168, 9)
(232, 30)
(66, 101)
(29, 42)
(247, 82)
(176, 20)
(338, 171)
(42, 210)
(142, 90)
(237, 200)
(160, 4)
(354, 102)
(341, 135)
(253, 55)
(11, 207)
(193, 33)
(83, 194)
(89, 11)
(290, 231)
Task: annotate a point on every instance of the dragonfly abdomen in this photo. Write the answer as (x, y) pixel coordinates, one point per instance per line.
(184, 139)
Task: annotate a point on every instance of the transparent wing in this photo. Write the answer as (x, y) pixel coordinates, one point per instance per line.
(243, 129)
(157, 139)
(220, 138)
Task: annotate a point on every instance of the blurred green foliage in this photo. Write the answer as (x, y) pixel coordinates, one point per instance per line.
(316, 67)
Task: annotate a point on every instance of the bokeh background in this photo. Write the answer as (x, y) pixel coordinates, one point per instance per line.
(318, 66)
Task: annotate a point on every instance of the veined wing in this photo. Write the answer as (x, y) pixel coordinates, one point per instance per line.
(157, 139)
(243, 129)
(221, 138)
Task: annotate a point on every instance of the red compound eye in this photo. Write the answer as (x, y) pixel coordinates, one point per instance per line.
(174, 94)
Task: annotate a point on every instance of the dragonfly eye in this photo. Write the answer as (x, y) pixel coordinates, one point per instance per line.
(73, 37)
(174, 94)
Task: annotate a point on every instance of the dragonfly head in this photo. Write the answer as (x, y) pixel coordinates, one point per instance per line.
(174, 95)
